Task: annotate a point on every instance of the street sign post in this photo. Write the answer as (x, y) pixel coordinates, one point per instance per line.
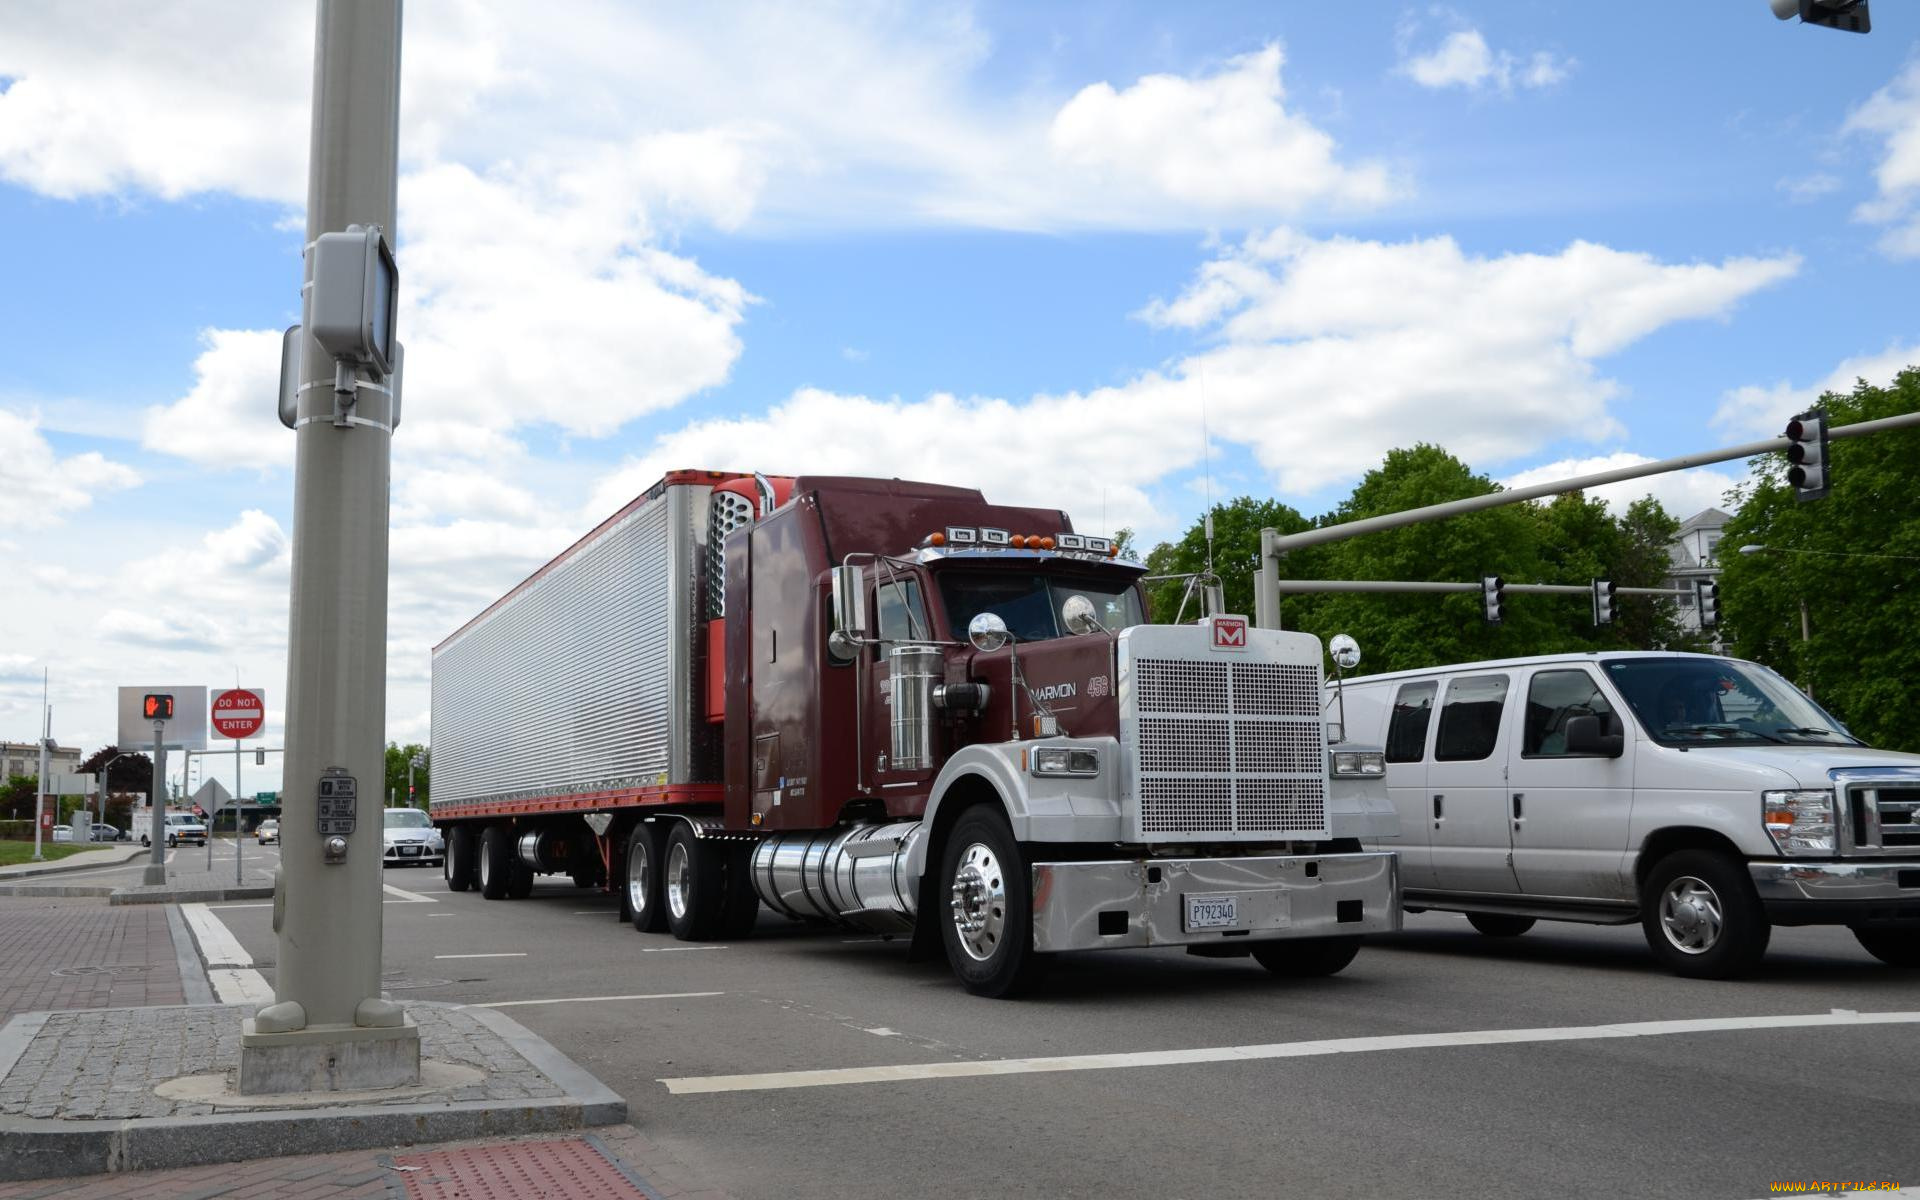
(176, 719)
(238, 713)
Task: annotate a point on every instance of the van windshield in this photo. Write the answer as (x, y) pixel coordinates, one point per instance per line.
(1030, 604)
(1713, 701)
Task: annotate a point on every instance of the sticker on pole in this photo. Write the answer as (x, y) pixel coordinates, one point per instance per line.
(239, 712)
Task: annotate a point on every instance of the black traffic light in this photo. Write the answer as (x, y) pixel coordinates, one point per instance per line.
(1493, 599)
(1707, 596)
(1850, 15)
(1810, 474)
(156, 706)
(1603, 592)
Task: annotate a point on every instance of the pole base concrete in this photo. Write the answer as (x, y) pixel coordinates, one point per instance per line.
(329, 1058)
(154, 876)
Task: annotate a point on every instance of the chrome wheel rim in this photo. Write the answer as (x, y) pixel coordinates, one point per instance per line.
(637, 878)
(978, 902)
(486, 866)
(679, 870)
(1691, 915)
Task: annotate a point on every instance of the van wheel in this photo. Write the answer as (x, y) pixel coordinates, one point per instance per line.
(1307, 958)
(692, 885)
(496, 854)
(457, 866)
(1701, 916)
(987, 922)
(1499, 925)
(1892, 946)
(640, 898)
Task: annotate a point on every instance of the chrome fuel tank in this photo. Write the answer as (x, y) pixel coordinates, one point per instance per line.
(854, 876)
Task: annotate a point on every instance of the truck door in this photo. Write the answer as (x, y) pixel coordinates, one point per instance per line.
(1569, 812)
(1466, 793)
(1408, 724)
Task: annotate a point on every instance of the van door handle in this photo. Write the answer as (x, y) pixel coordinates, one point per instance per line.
(1519, 814)
(1438, 812)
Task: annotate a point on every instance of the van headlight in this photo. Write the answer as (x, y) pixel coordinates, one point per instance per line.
(1799, 822)
(1065, 760)
(1359, 764)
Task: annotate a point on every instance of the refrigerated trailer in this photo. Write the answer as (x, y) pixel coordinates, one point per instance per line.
(894, 707)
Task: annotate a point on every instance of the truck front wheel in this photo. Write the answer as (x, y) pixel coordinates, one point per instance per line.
(1893, 946)
(986, 918)
(1701, 916)
(1306, 958)
(641, 899)
(692, 885)
(496, 862)
(458, 865)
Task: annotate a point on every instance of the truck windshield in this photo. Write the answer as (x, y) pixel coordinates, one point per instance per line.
(1714, 701)
(1030, 604)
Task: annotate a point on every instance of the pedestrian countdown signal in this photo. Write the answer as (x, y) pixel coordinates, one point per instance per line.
(157, 706)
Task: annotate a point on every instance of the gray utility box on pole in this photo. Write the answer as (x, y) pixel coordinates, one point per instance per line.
(329, 1028)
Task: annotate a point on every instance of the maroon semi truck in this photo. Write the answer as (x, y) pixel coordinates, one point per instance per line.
(895, 707)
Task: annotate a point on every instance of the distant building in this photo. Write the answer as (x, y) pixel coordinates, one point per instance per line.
(23, 758)
(1695, 554)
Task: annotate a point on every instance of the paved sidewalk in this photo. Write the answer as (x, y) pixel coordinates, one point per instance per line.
(110, 854)
(83, 954)
(626, 1155)
(188, 878)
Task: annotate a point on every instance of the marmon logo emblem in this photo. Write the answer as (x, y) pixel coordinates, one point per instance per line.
(1229, 633)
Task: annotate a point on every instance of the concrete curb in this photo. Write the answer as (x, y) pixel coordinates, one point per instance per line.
(67, 864)
(56, 891)
(195, 987)
(188, 895)
(41, 1148)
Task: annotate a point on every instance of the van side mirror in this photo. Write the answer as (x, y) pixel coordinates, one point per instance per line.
(1595, 735)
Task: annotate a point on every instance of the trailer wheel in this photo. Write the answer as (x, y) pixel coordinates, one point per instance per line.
(457, 866)
(742, 903)
(641, 900)
(496, 859)
(692, 885)
(987, 927)
(1307, 958)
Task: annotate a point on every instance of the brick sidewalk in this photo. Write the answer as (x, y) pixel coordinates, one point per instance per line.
(58, 954)
(368, 1174)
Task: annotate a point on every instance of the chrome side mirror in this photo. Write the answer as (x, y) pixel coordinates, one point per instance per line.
(849, 608)
(1345, 651)
(987, 631)
(1080, 615)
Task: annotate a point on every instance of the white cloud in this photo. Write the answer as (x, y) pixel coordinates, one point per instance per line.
(1681, 493)
(1761, 410)
(230, 417)
(1893, 112)
(1463, 59)
(37, 485)
(1224, 142)
(1806, 189)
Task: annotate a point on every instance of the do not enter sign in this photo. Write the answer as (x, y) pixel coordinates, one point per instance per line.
(239, 712)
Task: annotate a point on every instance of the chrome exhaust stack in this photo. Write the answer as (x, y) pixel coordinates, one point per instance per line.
(855, 877)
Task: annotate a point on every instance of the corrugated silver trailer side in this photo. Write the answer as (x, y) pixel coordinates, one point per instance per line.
(583, 678)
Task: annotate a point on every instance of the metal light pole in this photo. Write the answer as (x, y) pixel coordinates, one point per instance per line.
(156, 873)
(105, 785)
(40, 784)
(329, 1028)
(418, 760)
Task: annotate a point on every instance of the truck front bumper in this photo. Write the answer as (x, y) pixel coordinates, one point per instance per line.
(1837, 893)
(1143, 902)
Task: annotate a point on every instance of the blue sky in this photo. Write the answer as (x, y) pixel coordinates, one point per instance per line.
(1010, 245)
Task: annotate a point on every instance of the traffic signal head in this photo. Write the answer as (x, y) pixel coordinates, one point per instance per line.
(1707, 596)
(157, 706)
(1808, 471)
(1850, 15)
(1603, 592)
(1493, 601)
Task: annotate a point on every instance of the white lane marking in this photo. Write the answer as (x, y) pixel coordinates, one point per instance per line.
(443, 914)
(263, 904)
(671, 949)
(503, 954)
(883, 1031)
(240, 985)
(218, 947)
(593, 999)
(1210, 1054)
(411, 897)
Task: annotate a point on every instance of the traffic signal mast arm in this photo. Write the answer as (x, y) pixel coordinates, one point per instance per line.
(1274, 543)
(1301, 587)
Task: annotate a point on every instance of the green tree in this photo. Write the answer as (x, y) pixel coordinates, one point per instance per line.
(1850, 559)
(1647, 532)
(1236, 554)
(133, 773)
(397, 758)
(16, 798)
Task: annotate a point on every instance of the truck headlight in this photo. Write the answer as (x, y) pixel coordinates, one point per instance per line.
(1799, 822)
(1355, 764)
(1064, 760)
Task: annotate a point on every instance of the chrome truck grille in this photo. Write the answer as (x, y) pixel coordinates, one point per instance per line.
(1223, 744)
(1883, 817)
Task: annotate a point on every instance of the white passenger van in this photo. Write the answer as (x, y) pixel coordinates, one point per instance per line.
(1704, 797)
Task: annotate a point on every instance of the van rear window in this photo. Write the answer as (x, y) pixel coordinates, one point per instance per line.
(1470, 719)
(1407, 730)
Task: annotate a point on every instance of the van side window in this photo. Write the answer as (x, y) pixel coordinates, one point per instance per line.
(901, 617)
(1470, 719)
(1552, 698)
(1407, 730)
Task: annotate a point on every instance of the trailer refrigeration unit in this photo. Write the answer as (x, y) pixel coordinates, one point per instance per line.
(894, 707)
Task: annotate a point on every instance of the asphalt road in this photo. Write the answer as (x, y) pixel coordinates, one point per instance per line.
(1720, 1113)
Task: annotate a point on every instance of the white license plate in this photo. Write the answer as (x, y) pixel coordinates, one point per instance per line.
(1213, 912)
(411, 850)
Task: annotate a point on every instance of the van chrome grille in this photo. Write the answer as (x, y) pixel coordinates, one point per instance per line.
(1884, 818)
(1230, 749)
